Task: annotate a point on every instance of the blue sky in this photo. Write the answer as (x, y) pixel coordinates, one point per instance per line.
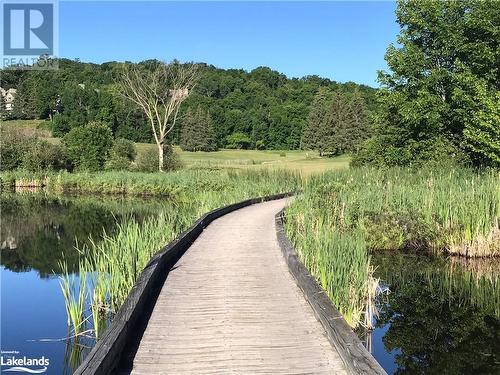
(344, 41)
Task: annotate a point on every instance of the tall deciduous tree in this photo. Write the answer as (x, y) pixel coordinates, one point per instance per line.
(428, 99)
(159, 89)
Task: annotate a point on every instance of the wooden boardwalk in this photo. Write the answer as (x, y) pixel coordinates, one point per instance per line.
(231, 306)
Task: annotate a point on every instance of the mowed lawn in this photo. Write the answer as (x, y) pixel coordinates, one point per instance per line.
(306, 162)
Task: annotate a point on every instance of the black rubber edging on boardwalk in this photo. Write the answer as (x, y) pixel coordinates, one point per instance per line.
(105, 356)
(356, 358)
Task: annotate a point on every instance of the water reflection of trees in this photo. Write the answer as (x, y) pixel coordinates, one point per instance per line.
(44, 228)
(443, 315)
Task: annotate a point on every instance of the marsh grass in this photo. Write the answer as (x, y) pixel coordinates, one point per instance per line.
(109, 267)
(74, 290)
(342, 216)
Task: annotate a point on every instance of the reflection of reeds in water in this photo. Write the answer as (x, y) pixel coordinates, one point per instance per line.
(372, 290)
(72, 355)
(472, 282)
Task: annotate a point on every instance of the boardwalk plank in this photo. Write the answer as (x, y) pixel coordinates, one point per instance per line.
(231, 306)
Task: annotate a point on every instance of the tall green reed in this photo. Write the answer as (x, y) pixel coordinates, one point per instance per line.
(113, 264)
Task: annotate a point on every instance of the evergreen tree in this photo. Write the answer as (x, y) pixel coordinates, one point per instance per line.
(335, 137)
(356, 128)
(197, 132)
(315, 127)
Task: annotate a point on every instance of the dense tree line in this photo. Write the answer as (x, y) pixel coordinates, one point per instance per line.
(259, 109)
(337, 123)
(441, 99)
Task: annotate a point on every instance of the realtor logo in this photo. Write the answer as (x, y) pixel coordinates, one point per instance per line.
(29, 33)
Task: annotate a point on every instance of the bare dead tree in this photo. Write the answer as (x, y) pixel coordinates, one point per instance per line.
(159, 92)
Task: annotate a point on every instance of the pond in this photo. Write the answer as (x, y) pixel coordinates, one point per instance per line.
(437, 316)
(37, 232)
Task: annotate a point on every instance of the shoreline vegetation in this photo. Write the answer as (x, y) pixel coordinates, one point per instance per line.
(110, 267)
(335, 224)
(343, 217)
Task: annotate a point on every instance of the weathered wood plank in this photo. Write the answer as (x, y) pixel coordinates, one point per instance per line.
(106, 355)
(355, 356)
(232, 306)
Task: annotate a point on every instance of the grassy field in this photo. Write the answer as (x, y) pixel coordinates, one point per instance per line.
(306, 162)
(38, 128)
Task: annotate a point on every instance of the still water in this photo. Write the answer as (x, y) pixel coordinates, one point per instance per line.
(437, 316)
(37, 232)
(440, 316)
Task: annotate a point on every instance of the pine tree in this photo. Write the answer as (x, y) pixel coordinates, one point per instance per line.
(197, 132)
(315, 126)
(337, 125)
(355, 128)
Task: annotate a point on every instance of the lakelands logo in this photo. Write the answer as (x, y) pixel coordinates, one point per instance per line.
(29, 34)
(11, 361)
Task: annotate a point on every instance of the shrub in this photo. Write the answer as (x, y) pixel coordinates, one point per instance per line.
(171, 160)
(12, 148)
(260, 145)
(41, 155)
(60, 125)
(147, 160)
(238, 140)
(88, 147)
(124, 148)
(121, 155)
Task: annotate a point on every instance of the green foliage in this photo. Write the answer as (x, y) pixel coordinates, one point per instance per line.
(60, 125)
(337, 123)
(121, 156)
(312, 133)
(124, 148)
(171, 160)
(147, 160)
(238, 141)
(197, 132)
(88, 146)
(263, 104)
(482, 129)
(12, 149)
(442, 87)
(40, 155)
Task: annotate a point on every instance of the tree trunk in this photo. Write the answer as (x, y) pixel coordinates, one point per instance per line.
(160, 156)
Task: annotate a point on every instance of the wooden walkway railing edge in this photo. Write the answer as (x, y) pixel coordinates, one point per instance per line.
(105, 356)
(357, 359)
